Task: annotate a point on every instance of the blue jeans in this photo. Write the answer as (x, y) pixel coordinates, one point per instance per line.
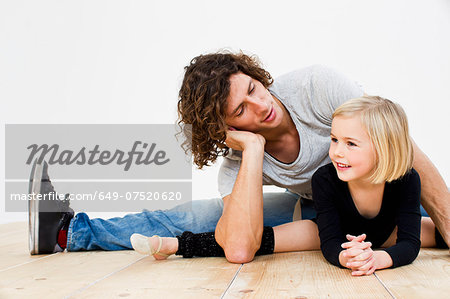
(114, 234)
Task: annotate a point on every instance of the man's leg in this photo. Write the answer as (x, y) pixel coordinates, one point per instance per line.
(114, 234)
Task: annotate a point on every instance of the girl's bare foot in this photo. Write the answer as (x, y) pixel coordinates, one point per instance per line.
(159, 248)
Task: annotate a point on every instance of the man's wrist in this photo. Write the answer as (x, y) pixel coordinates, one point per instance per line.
(253, 149)
(254, 143)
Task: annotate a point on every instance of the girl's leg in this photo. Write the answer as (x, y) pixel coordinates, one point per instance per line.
(429, 235)
(159, 247)
(196, 216)
(190, 245)
(296, 236)
(293, 236)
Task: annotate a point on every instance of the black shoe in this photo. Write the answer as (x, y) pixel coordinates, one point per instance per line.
(47, 214)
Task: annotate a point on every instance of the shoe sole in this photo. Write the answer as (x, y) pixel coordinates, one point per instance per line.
(33, 207)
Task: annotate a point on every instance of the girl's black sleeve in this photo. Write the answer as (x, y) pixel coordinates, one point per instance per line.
(408, 220)
(328, 220)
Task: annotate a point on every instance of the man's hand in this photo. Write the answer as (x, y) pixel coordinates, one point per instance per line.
(240, 140)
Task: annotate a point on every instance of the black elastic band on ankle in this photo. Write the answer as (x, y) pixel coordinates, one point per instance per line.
(186, 244)
(267, 241)
(204, 244)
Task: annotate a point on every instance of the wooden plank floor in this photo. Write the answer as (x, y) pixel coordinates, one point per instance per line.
(127, 274)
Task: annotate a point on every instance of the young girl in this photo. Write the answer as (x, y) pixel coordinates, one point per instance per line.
(367, 197)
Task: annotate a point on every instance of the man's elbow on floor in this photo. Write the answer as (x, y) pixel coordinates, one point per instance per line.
(239, 255)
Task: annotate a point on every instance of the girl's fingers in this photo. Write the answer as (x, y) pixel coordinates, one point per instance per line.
(352, 252)
(371, 271)
(367, 266)
(358, 273)
(359, 238)
(350, 237)
(360, 245)
(356, 265)
(363, 265)
(364, 256)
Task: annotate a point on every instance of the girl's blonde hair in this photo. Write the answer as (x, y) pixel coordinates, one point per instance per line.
(387, 126)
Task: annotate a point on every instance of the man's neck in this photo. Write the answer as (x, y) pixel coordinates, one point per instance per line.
(286, 127)
(283, 142)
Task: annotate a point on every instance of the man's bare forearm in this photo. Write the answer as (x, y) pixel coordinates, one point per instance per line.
(240, 228)
(435, 196)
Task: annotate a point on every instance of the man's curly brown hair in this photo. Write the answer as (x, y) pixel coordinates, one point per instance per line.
(203, 100)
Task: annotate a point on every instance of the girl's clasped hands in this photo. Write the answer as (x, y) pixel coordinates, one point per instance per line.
(358, 255)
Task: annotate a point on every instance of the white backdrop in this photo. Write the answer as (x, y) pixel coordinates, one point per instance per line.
(122, 61)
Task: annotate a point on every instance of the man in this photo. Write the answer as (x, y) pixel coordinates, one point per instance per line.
(278, 133)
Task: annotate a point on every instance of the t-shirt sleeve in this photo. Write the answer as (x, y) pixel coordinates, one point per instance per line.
(328, 220)
(408, 220)
(328, 89)
(227, 175)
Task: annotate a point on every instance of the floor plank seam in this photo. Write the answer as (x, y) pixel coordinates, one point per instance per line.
(29, 262)
(80, 290)
(385, 286)
(231, 282)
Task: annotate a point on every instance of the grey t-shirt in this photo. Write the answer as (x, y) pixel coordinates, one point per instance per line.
(310, 95)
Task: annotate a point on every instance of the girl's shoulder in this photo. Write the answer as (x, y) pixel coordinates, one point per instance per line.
(326, 173)
(411, 177)
(409, 184)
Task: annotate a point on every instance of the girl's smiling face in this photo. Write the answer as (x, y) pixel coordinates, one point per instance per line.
(351, 150)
